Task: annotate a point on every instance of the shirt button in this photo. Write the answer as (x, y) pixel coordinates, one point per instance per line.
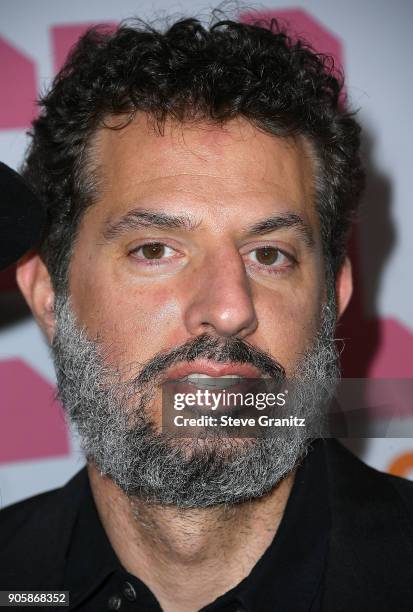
(114, 602)
(129, 592)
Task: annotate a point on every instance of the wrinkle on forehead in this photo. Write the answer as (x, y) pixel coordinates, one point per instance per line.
(208, 159)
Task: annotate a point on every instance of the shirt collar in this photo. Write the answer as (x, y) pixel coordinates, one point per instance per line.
(288, 576)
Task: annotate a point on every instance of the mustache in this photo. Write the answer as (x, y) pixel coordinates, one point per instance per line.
(225, 350)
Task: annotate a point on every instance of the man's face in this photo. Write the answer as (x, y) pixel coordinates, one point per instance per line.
(201, 255)
(204, 258)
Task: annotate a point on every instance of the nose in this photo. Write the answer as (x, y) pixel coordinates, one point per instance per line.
(221, 301)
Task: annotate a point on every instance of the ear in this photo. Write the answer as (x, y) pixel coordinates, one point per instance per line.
(34, 282)
(344, 286)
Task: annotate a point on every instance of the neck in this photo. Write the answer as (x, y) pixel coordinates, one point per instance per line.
(188, 557)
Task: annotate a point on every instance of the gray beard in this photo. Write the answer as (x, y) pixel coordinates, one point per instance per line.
(117, 435)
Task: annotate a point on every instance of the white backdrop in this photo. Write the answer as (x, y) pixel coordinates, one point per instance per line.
(374, 41)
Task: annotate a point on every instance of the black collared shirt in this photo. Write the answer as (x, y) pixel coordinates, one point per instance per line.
(288, 577)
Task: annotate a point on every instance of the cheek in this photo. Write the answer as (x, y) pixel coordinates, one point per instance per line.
(134, 322)
(288, 325)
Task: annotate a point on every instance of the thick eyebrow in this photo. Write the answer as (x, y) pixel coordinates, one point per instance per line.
(139, 218)
(283, 221)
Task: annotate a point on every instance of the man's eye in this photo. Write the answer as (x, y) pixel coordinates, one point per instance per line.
(153, 250)
(268, 256)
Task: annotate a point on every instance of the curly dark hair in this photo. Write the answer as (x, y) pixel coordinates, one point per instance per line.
(191, 73)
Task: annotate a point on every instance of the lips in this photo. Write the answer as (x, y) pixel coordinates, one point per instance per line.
(206, 374)
(206, 367)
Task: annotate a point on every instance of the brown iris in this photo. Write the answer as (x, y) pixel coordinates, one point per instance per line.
(267, 255)
(153, 251)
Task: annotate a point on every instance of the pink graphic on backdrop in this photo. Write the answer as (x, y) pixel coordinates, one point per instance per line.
(32, 421)
(65, 36)
(303, 26)
(17, 87)
(393, 358)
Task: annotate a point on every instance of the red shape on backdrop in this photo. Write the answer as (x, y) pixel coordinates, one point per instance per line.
(18, 89)
(65, 36)
(32, 421)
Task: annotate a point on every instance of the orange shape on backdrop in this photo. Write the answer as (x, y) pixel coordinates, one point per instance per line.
(402, 465)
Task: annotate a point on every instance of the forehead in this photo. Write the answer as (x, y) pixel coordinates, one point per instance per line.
(220, 168)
